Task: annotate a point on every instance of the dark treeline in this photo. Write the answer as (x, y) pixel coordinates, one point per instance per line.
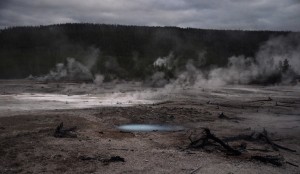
(124, 51)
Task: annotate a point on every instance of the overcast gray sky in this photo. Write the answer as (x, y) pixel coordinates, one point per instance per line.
(216, 14)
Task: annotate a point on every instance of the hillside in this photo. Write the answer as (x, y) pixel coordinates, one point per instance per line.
(116, 51)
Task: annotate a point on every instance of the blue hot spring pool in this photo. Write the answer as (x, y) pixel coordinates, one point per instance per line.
(149, 128)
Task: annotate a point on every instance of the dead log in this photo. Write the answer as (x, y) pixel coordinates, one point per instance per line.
(260, 150)
(275, 146)
(87, 158)
(275, 160)
(105, 161)
(282, 147)
(277, 104)
(245, 137)
(288, 102)
(200, 143)
(225, 117)
(264, 135)
(268, 99)
(60, 132)
(113, 159)
(256, 137)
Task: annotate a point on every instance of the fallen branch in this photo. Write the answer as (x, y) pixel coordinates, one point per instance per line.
(264, 135)
(196, 170)
(162, 103)
(275, 146)
(269, 99)
(288, 102)
(113, 159)
(225, 117)
(260, 150)
(275, 160)
(105, 161)
(258, 136)
(240, 137)
(200, 143)
(277, 104)
(292, 164)
(261, 137)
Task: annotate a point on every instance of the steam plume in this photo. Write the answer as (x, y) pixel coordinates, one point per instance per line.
(277, 61)
(71, 70)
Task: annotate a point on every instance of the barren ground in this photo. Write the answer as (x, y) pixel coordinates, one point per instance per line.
(30, 112)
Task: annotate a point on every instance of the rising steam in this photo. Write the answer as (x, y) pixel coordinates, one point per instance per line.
(73, 70)
(276, 62)
(164, 62)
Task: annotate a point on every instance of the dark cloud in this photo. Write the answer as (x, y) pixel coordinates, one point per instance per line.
(222, 14)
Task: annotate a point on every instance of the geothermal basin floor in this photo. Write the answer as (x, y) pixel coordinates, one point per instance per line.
(31, 111)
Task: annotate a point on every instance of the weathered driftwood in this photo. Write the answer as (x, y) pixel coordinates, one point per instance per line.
(203, 141)
(60, 132)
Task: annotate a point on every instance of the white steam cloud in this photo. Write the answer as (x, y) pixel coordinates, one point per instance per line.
(92, 57)
(71, 70)
(277, 61)
(158, 79)
(164, 62)
(98, 79)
